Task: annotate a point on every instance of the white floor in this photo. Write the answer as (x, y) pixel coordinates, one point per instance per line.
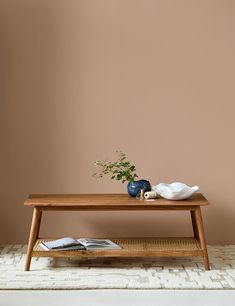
(117, 273)
(117, 297)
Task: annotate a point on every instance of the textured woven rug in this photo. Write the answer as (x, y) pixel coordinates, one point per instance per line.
(132, 273)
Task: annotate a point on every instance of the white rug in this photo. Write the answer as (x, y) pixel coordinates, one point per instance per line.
(148, 273)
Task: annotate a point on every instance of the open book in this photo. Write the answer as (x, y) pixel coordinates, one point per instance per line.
(68, 244)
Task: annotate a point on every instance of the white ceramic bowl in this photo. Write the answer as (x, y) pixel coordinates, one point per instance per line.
(175, 191)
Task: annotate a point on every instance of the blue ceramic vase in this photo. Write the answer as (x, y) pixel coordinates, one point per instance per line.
(133, 188)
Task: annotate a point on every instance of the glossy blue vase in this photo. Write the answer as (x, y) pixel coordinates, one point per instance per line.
(133, 188)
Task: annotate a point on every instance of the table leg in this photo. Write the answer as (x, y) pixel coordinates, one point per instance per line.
(195, 230)
(200, 230)
(36, 220)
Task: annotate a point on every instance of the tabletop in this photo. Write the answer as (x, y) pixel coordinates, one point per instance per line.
(109, 201)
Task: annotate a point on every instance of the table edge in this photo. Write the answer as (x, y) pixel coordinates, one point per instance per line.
(40, 202)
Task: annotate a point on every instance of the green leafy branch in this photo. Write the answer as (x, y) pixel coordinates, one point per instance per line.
(121, 170)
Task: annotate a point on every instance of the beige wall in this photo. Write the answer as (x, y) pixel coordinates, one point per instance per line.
(80, 79)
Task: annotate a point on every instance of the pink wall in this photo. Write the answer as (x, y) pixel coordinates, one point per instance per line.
(80, 79)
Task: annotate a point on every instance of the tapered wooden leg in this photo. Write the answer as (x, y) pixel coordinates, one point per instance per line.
(201, 234)
(36, 220)
(195, 230)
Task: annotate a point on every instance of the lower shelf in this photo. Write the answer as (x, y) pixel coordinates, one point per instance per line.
(132, 247)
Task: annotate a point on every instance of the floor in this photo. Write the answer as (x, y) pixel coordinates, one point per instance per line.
(118, 297)
(147, 282)
(145, 273)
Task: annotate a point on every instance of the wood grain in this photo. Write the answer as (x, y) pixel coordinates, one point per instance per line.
(109, 202)
(35, 226)
(194, 224)
(202, 238)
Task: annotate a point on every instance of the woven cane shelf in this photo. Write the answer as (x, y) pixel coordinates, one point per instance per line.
(132, 247)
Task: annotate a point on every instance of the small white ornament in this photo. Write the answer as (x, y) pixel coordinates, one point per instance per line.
(150, 195)
(175, 191)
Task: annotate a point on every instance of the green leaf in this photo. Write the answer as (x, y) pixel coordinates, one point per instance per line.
(121, 169)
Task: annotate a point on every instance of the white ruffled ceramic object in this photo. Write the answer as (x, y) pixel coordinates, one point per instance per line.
(175, 191)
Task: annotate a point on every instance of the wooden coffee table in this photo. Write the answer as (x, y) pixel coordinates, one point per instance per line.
(131, 247)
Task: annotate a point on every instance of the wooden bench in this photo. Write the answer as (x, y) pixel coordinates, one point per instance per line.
(131, 247)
